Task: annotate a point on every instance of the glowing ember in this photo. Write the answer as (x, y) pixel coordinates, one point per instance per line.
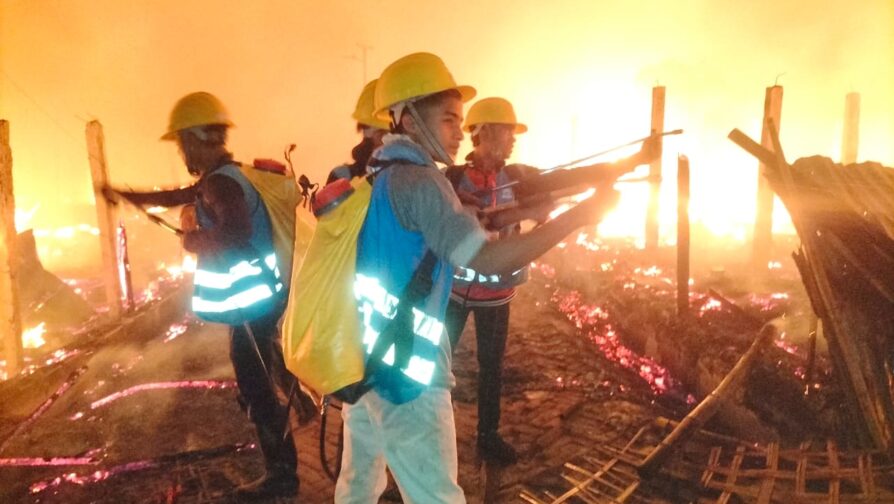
(652, 271)
(33, 337)
(545, 269)
(93, 477)
(156, 210)
(583, 239)
(592, 320)
(188, 265)
(774, 265)
(710, 304)
(768, 302)
(785, 345)
(175, 330)
(200, 384)
(46, 461)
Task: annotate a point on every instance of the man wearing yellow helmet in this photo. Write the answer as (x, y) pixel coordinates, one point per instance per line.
(493, 126)
(237, 277)
(416, 229)
(485, 182)
(372, 129)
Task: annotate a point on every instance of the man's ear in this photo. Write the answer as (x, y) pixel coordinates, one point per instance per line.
(409, 124)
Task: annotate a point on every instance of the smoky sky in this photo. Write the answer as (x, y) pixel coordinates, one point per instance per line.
(290, 72)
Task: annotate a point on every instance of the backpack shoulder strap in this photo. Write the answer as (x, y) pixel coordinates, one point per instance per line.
(419, 288)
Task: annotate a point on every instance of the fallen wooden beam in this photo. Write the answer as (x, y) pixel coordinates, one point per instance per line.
(708, 407)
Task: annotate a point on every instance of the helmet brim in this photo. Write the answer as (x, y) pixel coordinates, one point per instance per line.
(519, 127)
(466, 93)
(172, 135)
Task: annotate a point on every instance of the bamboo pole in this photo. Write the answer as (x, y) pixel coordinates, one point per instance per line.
(850, 140)
(10, 316)
(682, 236)
(763, 222)
(652, 231)
(105, 218)
(708, 407)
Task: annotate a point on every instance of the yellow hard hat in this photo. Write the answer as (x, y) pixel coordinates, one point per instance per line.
(414, 76)
(363, 112)
(196, 109)
(492, 111)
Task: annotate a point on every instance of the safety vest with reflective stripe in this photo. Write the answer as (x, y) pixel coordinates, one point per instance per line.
(238, 285)
(467, 282)
(387, 257)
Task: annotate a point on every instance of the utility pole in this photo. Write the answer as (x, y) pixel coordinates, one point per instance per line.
(363, 59)
(364, 49)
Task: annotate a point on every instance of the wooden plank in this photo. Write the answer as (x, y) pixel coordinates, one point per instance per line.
(628, 492)
(10, 315)
(733, 475)
(652, 224)
(867, 479)
(713, 462)
(763, 221)
(682, 236)
(766, 489)
(765, 156)
(801, 470)
(105, 218)
(834, 480)
(850, 140)
(573, 492)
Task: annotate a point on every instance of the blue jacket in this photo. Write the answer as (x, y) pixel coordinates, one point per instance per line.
(387, 256)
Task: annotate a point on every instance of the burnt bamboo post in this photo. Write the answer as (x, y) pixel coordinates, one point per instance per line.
(652, 230)
(10, 316)
(682, 236)
(850, 140)
(763, 221)
(708, 407)
(105, 218)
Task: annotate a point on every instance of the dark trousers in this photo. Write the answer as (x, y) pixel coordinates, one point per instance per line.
(491, 328)
(257, 393)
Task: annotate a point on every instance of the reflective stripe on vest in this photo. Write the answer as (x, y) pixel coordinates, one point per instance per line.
(241, 286)
(467, 276)
(374, 299)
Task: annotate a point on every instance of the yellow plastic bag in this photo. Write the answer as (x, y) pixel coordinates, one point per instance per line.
(322, 340)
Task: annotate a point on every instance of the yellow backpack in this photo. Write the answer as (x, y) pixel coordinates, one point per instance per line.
(322, 340)
(282, 196)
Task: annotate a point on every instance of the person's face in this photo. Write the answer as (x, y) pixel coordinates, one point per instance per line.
(444, 120)
(189, 148)
(497, 140)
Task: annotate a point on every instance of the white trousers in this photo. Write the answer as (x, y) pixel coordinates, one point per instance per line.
(417, 441)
